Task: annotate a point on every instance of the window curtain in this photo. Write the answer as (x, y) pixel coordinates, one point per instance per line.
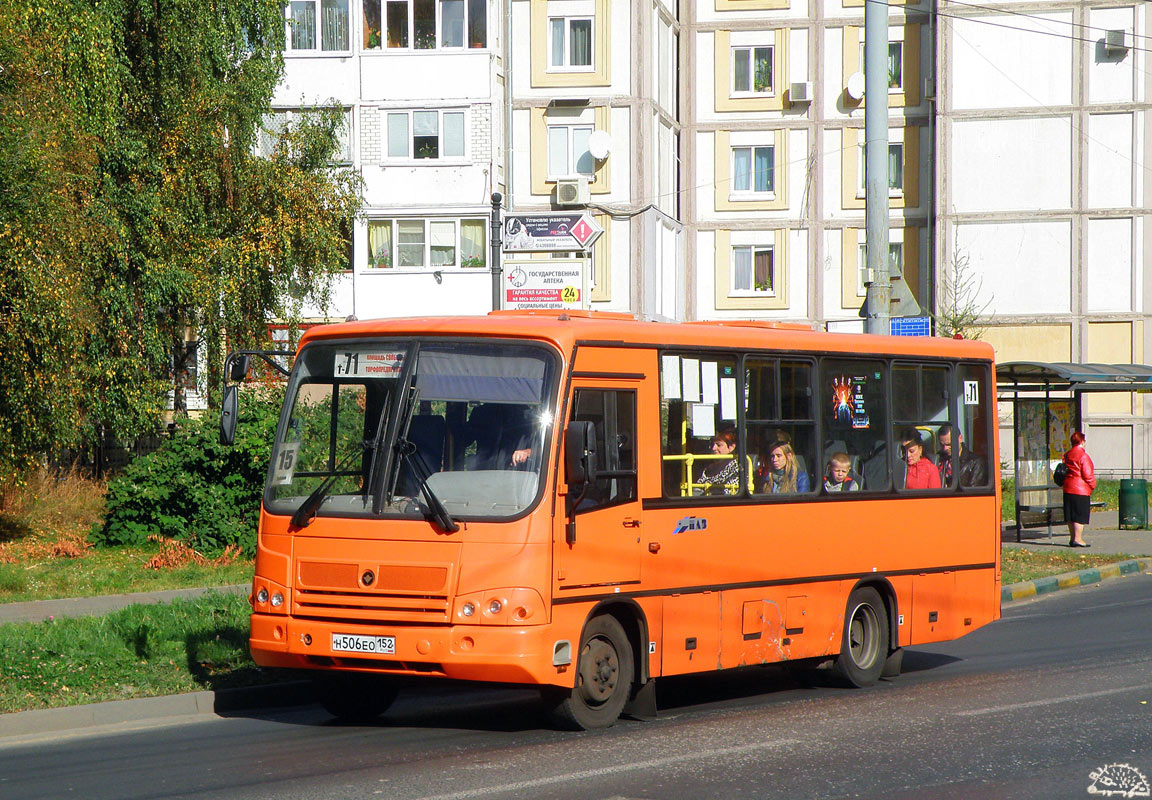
(765, 169)
(741, 169)
(303, 25)
(580, 42)
(763, 271)
(380, 243)
(410, 245)
(557, 42)
(472, 248)
(557, 150)
(334, 25)
(895, 166)
(442, 238)
(741, 80)
(742, 268)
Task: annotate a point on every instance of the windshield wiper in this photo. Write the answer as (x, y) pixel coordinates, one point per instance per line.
(307, 510)
(406, 452)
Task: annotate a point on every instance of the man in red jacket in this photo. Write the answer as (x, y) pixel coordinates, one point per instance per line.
(1078, 487)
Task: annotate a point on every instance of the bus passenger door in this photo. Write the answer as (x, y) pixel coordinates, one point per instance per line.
(600, 543)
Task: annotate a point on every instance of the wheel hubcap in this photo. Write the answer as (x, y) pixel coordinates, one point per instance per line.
(863, 636)
(599, 670)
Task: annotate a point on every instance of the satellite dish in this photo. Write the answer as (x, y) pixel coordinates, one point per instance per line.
(599, 144)
(856, 85)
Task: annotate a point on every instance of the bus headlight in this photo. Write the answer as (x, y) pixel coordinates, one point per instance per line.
(467, 609)
(501, 607)
(277, 600)
(262, 595)
(495, 607)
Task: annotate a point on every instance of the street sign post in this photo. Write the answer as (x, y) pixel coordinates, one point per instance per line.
(537, 232)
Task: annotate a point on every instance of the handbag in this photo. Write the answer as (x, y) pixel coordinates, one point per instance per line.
(1060, 473)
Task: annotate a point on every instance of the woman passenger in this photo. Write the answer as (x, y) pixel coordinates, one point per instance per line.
(722, 476)
(783, 474)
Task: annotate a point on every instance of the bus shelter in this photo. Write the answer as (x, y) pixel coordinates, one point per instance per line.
(1046, 409)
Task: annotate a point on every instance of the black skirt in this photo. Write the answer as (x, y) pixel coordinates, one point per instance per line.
(1077, 508)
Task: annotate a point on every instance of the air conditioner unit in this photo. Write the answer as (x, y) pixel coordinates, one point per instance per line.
(800, 92)
(1115, 42)
(572, 191)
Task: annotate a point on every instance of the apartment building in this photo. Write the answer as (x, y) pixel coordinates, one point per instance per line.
(1043, 201)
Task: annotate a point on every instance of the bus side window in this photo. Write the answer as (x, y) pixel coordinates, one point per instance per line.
(613, 413)
(853, 410)
(920, 405)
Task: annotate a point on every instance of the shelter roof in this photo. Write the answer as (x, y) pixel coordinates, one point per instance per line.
(1035, 376)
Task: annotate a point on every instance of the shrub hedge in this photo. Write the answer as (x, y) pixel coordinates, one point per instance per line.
(195, 489)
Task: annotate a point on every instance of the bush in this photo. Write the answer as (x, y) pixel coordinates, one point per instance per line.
(194, 489)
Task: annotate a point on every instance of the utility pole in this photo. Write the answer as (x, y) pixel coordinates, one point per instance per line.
(494, 238)
(878, 300)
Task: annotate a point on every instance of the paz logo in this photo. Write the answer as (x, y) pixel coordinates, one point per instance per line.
(1119, 780)
(690, 524)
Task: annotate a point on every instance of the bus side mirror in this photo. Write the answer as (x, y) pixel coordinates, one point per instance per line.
(239, 369)
(229, 405)
(580, 455)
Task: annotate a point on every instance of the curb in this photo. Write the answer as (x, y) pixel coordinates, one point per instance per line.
(1070, 580)
(226, 702)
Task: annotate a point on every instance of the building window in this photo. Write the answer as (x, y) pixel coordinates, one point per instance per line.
(753, 270)
(329, 17)
(277, 122)
(752, 70)
(895, 169)
(568, 151)
(425, 134)
(425, 24)
(895, 265)
(435, 242)
(570, 43)
(895, 65)
(754, 169)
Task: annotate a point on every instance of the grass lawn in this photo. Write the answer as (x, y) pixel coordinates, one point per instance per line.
(1018, 564)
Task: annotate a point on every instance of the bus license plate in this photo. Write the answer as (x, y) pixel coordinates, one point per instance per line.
(347, 643)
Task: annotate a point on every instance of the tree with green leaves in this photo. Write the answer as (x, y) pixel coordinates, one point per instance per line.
(135, 207)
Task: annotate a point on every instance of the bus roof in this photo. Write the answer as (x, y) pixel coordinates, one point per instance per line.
(564, 328)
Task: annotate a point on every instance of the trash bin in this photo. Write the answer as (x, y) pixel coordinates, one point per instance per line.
(1134, 503)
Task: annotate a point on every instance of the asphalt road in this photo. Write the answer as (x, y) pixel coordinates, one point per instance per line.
(1030, 707)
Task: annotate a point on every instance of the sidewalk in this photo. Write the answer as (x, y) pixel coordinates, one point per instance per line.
(1105, 536)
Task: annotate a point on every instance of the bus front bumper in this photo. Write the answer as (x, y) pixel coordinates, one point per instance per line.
(496, 653)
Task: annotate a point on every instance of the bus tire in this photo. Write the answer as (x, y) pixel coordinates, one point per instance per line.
(354, 697)
(605, 671)
(864, 644)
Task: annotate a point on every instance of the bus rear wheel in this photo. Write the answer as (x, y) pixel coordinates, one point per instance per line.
(604, 674)
(352, 697)
(864, 645)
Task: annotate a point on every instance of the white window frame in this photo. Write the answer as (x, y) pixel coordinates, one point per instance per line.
(895, 252)
(410, 153)
(572, 158)
(898, 87)
(751, 291)
(738, 192)
(565, 64)
(279, 118)
(318, 29)
(861, 162)
(747, 52)
(381, 7)
(428, 225)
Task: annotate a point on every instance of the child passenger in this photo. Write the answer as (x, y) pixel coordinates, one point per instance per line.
(837, 478)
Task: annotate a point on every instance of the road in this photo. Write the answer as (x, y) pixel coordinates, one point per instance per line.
(1029, 707)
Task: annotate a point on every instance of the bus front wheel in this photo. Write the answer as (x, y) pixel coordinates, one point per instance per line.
(604, 674)
(353, 697)
(864, 646)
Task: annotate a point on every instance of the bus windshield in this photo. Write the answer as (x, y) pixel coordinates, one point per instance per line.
(406, 428)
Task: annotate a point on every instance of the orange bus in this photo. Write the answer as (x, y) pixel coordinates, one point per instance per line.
(583, 502)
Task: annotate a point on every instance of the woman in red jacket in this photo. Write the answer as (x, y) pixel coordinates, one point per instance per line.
(1078, 486)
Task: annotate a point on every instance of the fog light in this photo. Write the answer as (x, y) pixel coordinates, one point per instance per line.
(468, 609)
(494, 607)
(277, 600)
(262, 596)
(306, 638)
